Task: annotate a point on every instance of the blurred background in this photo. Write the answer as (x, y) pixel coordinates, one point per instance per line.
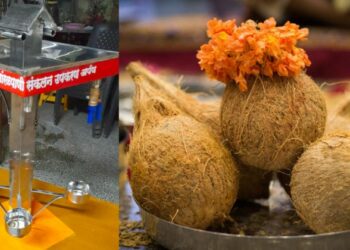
(167, 34)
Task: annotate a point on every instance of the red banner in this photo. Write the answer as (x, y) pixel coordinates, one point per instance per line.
(59, 79)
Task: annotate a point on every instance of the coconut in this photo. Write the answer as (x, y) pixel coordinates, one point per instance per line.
(339, 120)
(345, 110)
(320, 184)
(253, 182)
(269, 125)
(203, 112)
(179, 170)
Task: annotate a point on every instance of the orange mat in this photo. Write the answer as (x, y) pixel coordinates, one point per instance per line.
(47, 230)
(94, 227)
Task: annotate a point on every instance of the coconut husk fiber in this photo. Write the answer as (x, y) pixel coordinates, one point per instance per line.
(339, 119)
(179, 170)
(320, 184)
(204, 112)
(254, 183)
(269, 125)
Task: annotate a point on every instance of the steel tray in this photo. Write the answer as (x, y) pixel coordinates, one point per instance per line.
(173, 236)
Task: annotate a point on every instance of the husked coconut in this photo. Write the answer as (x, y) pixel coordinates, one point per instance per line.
(269, 126)
(339, 120)
(254, 182)
(207, 113)
(271, 109)
(320, 184)
(179, 170)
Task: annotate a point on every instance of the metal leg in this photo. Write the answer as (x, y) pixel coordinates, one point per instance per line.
(22, 125)
(57, 107)
(97, 125)
(96, 129)
(56, 198)
(22, 148)
(75, 106)
(112, 112)
(1, 134)
(106, 89)
(46, 197)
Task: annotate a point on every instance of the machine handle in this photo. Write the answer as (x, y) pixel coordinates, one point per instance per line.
(12, 35)
(49, 32)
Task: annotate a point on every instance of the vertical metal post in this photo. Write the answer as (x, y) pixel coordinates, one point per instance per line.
(1, 129)
(22, 125)
(22, 148)
(23, 53)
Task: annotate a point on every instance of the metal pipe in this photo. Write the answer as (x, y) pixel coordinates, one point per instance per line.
(48, 204)
(21, 175)
(4, 187)
(28, 104)
(3, 208)
(49, 32)
(12, 35)
(94, 97)
(44, 192)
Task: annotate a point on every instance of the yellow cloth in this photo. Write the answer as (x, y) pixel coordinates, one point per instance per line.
(95, 226)
(47, 230)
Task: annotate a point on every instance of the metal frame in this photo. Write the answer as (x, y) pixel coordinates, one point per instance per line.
(24, 55)
(70, 59)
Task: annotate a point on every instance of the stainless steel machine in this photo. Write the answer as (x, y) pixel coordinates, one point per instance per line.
(30, 66)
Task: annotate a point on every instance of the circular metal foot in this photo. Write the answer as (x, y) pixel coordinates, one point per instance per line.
(78, 192)
(18, 222)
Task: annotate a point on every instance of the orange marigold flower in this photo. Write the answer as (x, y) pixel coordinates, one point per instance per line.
(217, 26)
(234, 53)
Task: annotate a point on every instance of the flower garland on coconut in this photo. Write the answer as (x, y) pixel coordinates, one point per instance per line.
(270, 109)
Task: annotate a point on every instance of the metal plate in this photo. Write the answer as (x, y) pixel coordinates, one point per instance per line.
(275, 217)
(60, 56)
(59, 66)
(173, 236)
(20, 17)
